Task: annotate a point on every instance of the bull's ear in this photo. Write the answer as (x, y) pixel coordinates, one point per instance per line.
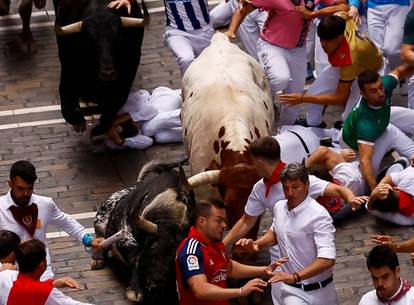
(183, 182)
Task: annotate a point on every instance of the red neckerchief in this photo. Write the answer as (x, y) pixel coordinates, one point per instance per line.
(26, 216)
(331, 203)
(341, 56)
(194, 233)
(274, 178)
(406, 204)
(26, 290)
(404, 289)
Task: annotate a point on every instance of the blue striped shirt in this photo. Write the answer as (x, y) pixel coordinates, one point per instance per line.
(186, 15)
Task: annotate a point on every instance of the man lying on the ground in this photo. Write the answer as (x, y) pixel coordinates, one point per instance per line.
(335, 167)
(393, 200)
(25, 287)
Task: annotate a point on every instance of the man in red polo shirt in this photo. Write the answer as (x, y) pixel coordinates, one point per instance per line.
(203, 265)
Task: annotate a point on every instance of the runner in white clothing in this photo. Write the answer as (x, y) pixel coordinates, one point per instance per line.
(327, 164)
(393, 198)
(28, 215)
(305, 234)
(265, 153)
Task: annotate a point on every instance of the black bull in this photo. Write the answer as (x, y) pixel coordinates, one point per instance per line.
(98, 60)
(163, 199)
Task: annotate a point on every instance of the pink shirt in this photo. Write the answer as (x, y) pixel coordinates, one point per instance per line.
(284, 26)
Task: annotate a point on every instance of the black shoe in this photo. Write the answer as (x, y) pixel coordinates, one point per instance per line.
(338, 125)
(401, 160)
(302, 122)
(97, 134)
(327, 142)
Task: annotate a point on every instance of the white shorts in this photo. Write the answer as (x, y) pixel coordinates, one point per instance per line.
(348, 174)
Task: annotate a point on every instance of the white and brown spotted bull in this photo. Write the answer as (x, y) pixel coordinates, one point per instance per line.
(155, 213)
(227, 105)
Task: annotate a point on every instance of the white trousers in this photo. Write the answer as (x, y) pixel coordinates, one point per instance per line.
(326, 82)
(385, 28)
(403, 119)
(248, 31)
(286, 71)
(392, 138)
(283, 294)
(187, 45)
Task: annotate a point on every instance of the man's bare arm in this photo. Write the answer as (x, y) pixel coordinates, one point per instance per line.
(366, 152)
(240, 229)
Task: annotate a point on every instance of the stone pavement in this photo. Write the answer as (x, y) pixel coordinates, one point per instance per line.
(79, 176)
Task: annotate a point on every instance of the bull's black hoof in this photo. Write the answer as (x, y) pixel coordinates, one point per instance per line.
(28, 42)
(97, 135)
(97, 264)
(81, 127)
(39, 3)
(133, 296)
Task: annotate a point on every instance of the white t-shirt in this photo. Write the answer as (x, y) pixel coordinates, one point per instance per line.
(257, 203)
(48, 213)
(404, 180)
(348, 174)
(370, 298)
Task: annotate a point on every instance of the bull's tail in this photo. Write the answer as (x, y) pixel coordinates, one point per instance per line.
(158, 166)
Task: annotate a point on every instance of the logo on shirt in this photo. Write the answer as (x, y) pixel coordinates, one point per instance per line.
(27, 220)
(219, 276)
(192, 263)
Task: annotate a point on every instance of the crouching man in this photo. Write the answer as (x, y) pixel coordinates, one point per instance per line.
(304, 231)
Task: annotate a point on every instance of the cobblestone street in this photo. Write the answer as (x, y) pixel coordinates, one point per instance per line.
(80, 176)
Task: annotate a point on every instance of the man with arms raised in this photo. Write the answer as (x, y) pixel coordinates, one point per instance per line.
(265, 153)
(305, 234)
(28, 215)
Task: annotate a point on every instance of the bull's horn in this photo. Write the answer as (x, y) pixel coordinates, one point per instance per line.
(130, 22)
(204, 178)
(69, 29)
(146, 225)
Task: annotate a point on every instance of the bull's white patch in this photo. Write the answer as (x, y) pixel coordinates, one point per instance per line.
(192, 263)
